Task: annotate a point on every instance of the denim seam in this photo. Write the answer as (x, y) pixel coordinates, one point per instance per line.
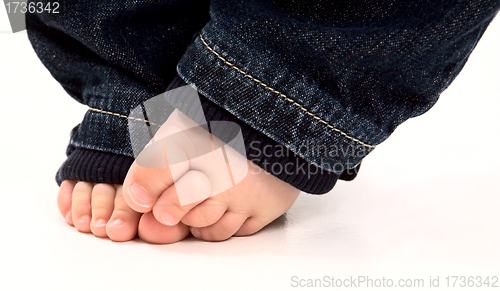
(288, 99)
(122, 116)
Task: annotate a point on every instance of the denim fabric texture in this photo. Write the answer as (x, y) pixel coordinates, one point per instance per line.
(113, 55)
(339, 76)
(330, 80)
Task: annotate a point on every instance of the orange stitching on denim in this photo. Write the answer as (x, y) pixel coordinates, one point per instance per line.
(122, 116)
(282, 96)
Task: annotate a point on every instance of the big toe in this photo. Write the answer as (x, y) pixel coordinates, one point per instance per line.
(151, 173)
(143, 186)
(152, 189)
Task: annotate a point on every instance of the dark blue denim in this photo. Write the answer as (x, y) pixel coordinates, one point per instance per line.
(329, 80)
(112, 55)
(332, 79)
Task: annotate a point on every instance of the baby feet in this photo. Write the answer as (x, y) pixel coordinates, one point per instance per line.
(149, 203)
(184, 180)
(242, 209)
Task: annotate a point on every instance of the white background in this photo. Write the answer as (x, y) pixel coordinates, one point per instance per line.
(426, 202)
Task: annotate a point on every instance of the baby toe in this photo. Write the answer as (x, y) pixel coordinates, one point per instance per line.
(102, 203)
(251, 226)
(150, 230)
(122, 226)
(223, 229)
(206, 213)
(193, 185)
(81, 206)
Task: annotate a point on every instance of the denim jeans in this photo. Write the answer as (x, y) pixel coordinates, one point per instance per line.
(332, 79)
(329, 80)
(112, 55)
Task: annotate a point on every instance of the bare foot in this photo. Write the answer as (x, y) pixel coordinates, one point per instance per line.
(243, 209)
(101, 209)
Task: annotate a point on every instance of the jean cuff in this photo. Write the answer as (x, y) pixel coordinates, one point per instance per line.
(273, 157)
(225, 82)
(96, 166)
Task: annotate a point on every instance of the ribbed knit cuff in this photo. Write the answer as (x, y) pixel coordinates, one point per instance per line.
(94, 166)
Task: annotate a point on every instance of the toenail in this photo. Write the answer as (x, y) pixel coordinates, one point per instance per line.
(100, 223)
(169, 219)
(117, 223)
(84, 218)
(140, 196)
(68, 216)
(195, 232)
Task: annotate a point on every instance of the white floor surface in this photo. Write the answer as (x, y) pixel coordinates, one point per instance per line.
(426, 204)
